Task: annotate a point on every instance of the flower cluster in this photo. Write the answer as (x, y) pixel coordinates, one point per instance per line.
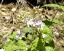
(34, 22)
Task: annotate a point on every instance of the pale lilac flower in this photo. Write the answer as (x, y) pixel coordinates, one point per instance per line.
(34, 22)
(37, 23)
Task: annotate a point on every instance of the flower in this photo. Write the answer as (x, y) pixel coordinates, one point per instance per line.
(34, 22)
(37, 23)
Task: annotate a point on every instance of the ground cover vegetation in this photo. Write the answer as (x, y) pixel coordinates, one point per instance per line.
(32, 25)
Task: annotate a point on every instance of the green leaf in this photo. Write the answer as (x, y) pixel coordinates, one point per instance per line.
(56, 6)
(21, 45)
(48, 48)
(48, 39)
(37, 45)
(13, 35)
(8, 46)
(46, 31)
(48, 22)
(15, 46)
(52, 5)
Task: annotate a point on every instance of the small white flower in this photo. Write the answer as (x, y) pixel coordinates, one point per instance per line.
(1, 49)
(44, 35)
(30, 22)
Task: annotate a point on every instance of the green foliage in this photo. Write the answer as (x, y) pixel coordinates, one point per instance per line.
(42, 42)
(48, 48)
(56, 6)
(46, 30)
(48, 22)
(14, 45)
(47, 33)
(37, 45)
(62, 18)
(12, 36)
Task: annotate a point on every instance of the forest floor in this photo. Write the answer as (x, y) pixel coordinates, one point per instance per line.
(12, 18)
